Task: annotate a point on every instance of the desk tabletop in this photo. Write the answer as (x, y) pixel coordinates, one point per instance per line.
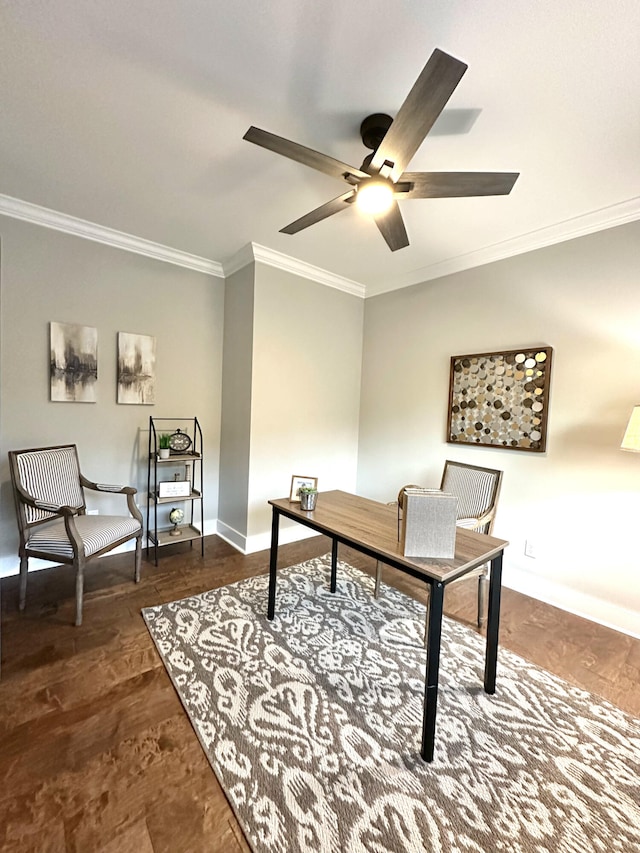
(374, 525)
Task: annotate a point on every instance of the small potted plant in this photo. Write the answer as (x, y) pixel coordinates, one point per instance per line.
(163, 445)
(308, 497)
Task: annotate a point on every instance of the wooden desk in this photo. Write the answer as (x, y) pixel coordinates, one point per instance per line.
(371, 527)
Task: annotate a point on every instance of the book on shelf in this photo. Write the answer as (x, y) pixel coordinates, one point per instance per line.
(429, 524)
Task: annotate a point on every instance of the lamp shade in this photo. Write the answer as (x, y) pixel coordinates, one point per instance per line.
(631, 440)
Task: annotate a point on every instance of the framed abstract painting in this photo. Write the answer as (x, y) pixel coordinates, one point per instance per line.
(136, 369)
(73, 362)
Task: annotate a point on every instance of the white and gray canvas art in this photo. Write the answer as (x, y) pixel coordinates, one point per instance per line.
(136, 369)
(74, 362)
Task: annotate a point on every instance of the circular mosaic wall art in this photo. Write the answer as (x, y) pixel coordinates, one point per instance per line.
(500, 399)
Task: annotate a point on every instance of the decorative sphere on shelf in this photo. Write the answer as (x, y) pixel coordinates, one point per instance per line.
(175, 517)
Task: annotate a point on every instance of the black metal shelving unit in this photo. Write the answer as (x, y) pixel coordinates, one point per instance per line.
(185, 465)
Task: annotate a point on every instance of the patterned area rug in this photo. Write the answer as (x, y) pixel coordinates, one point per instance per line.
(312, 724)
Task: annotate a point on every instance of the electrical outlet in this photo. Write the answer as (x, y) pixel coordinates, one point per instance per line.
(529, 548)
(93, 512)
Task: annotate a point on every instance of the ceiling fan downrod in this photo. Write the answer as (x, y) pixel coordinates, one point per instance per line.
(372, 132)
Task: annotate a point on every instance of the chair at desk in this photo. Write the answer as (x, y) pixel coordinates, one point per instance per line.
(477, 490)
(50, 505)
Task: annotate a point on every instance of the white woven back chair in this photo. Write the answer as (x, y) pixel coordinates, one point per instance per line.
(477, 490)
(50, 506)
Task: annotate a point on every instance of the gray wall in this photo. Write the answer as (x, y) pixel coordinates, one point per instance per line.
(578, 503)
(47, 275)
(291, 396)
(295, 361)
(307, 358)
(235, 443)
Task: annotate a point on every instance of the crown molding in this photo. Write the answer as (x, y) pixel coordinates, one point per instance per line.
(37, 215)
(255, 252)
(47, 218)
(242, 258)
(579, 226)
(569, 229)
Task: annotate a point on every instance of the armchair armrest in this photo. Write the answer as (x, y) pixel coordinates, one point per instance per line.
(129, 491)
(61, 509)
(47, 506)
(104, 487)
(68, 514)
(474, 523)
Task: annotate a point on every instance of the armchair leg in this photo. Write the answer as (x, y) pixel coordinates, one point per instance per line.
(138, 558)
(79, 591)
(376, 590)
(24, 568)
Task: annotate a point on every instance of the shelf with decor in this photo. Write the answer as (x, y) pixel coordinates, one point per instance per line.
(175, 477)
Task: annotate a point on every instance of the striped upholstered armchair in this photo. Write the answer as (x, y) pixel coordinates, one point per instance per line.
(477, 490)
(50, 505)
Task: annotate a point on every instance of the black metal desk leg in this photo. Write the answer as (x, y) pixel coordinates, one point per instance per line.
(493, 625)
(273, 562)
(434, 632)
(334, 564)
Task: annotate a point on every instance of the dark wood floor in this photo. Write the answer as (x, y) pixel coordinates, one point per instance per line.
(96, 753)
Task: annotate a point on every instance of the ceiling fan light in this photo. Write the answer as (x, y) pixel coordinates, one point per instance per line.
(374, 196)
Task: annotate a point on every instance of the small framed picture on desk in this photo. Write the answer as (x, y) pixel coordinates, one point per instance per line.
(297, 482)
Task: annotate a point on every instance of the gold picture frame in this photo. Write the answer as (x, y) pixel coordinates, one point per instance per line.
(297, 481)
(500, 399)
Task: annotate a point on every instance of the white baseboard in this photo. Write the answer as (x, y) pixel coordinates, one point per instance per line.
(10, 565)
(588, 607)
(232, 536)
(262, 541)
(573, 601)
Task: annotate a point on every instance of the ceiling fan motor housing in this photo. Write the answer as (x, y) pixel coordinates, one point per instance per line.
(373, 129)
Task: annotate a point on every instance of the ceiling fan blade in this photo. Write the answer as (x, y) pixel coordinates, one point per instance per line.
(306, 156)
(392, 228)
(342, 202)
(421, 108)
(457, 184)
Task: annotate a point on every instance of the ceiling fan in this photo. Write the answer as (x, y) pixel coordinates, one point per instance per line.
(381, 179)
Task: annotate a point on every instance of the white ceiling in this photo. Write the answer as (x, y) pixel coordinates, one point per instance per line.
(131, 115)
